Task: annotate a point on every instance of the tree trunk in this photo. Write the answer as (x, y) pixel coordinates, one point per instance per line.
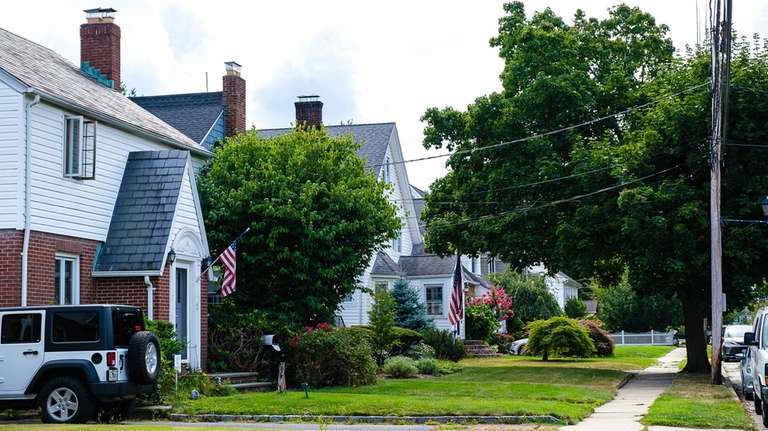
(546, 356)
(695, 339)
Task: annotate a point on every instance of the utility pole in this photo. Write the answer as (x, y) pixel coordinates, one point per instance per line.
(721, 39)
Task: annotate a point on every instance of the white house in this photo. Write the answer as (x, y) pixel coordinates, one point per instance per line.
(98, 202)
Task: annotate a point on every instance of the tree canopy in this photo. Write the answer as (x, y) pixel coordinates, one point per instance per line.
(316, 217)
(628, 191)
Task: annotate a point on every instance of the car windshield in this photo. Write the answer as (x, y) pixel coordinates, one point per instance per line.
(736, 331)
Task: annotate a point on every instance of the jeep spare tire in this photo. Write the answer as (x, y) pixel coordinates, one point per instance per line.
(143, 358)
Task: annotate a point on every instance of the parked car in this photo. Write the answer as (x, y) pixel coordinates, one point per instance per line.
(72, 360)
(757, 340)
(733, 342)
(518, 347)
(747, 386)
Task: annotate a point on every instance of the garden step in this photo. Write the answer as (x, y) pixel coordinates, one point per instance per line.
(254, 386)
(237, 378)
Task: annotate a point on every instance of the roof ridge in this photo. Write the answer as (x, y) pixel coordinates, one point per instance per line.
(177, 95)
(333, 125)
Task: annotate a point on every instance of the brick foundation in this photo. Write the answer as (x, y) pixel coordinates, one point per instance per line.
(41, 290)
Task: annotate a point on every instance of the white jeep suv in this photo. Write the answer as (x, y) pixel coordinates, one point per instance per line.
(757, 343)
(73, 361)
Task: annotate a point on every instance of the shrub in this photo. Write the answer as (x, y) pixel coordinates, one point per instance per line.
(445, 344)
(530, 296)
(401, 367)
(421, 351)
(234, 338)
(446, 367)
(559, 336)
(428, 366)
(165, 388)
(409, 312)
(503, 341)
(481, 322)
(382, 319)
(602, 341)
(575, 308)
(404, 339)
(332, 357)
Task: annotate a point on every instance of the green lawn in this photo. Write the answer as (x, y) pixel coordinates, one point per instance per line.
(43, 427)
(693, 402)
(567, 389)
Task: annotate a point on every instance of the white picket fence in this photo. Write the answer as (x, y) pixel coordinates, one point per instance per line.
(652, 338)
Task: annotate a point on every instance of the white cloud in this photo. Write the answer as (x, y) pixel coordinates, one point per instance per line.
(370, 61)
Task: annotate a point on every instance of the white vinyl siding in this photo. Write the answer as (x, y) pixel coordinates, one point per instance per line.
(186, 214)
(11, 156)
(86, 210)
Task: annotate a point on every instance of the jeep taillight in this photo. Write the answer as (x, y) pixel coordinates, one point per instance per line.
(111, 359)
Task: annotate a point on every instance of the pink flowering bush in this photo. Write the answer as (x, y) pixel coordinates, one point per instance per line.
(498, 300)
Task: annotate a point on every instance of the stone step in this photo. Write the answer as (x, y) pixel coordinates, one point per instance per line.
(236, 378)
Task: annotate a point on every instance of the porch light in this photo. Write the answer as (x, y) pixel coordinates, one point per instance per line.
(171, 256)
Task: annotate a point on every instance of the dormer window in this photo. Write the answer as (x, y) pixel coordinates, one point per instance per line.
(79, 148)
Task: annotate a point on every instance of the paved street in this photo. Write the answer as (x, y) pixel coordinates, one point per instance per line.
(731, 370)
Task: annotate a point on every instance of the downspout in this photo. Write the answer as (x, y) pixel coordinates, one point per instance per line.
(150, 298)
(27, 197)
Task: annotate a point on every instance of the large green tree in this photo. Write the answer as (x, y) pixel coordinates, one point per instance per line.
(636, 192)
(316, 217)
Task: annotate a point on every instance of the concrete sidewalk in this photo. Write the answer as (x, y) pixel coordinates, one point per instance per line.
(633, 400)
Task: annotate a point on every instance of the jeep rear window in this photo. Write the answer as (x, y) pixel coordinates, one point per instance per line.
(125, 323)
(75, 326)
(20, 328)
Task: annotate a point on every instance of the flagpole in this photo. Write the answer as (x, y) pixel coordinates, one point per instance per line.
(208, 268)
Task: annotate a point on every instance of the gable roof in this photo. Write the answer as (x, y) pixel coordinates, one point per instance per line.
(143, 216)
(384, 265)
(192, 114)
(60, 82)
(373, 138)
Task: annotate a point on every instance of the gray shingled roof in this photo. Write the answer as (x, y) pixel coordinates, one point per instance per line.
(143, 214)
(192, 114)
(419, 204)
(384, 265)
(373, 138)
(61, 82)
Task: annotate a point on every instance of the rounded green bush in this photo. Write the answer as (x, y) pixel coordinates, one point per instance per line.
(481, 323)
(428, 366)
(575, 308)
(334, 357)
(401, 367)
(559, 336)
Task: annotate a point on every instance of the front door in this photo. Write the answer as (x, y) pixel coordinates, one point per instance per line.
(182, 307)
(21, 349)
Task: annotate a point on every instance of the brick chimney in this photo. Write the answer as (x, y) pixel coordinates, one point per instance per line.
(100, 44)
(309, 111)
(233, 98)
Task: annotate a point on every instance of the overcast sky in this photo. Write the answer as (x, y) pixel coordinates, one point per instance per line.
(369, 61)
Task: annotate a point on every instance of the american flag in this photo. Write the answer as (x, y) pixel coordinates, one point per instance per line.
(229, 259)
(456, 311)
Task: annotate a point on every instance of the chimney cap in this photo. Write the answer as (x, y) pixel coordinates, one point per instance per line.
(233, 68)
(308, 98)
(100, 14)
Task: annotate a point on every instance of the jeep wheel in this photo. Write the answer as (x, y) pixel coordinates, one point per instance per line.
(65, 400)
(143, 358)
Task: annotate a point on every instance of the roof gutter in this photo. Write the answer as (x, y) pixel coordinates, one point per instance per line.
(122, 124)
(27, 195)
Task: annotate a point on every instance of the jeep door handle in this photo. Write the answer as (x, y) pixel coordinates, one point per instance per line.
(30, 352)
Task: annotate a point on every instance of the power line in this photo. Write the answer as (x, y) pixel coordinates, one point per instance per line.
(526, 209)
(545, 134)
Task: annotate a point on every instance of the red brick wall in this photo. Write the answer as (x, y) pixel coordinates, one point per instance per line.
(41, 290)
(234, 104)
(100, 45)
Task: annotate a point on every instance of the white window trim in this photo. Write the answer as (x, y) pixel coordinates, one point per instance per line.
(75, 259)
(441, 287)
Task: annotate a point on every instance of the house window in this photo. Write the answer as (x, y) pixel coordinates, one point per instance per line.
(67, 279)
(379, 286)
(491, 265)
(386, 173)
(434, 302)
(21, 328)
(79, 148)
(397, 244)
(474, 264)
